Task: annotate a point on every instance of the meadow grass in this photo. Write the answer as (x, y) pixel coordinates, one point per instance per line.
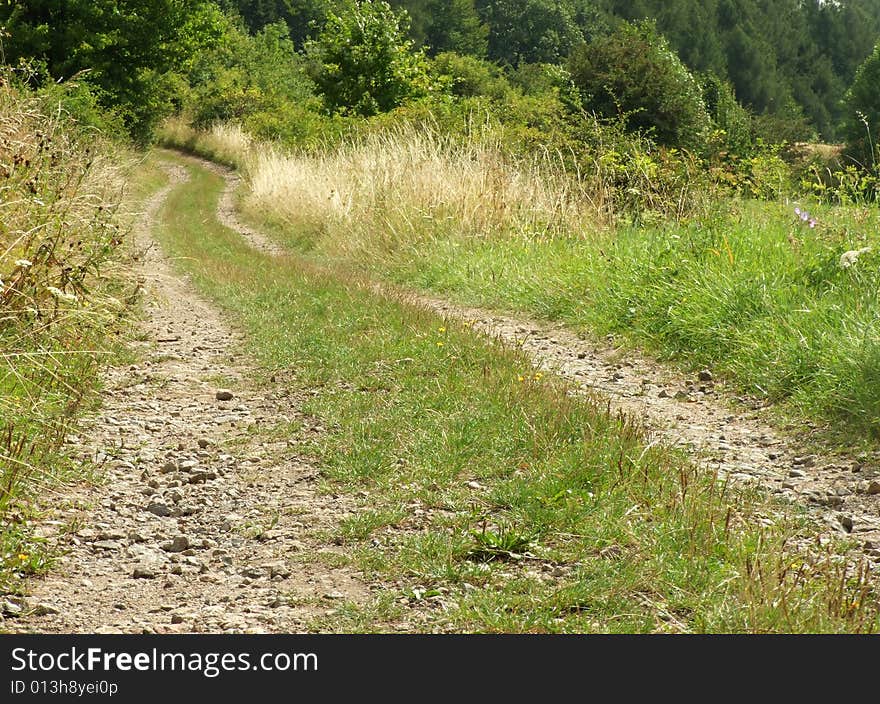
(744, 287)
(491, 498)
(62, 290)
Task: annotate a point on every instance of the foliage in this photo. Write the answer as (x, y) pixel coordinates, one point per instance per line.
(633, 74)
(468, 76)
(447, 25)
(128, 49)
(774, 54)
(362, 62)
(258, 81)
(862, 125)
(530, 31)
(732, 122)
(303, 18)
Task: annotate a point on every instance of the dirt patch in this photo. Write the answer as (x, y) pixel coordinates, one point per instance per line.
(198, 525)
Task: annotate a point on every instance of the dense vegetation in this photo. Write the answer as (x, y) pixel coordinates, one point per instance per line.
(635, 168)
(61, 298)
(791, 61)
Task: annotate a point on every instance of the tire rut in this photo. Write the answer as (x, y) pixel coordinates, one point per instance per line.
(695, 413)
(197, 525)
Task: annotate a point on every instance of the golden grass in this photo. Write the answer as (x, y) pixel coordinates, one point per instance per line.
(59, 228)
(398, 186)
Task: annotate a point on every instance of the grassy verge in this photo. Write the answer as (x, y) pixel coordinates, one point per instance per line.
(748, 288)
(62, 307)
(492, 499)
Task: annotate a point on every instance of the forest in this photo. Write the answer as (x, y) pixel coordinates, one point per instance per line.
(440, 316)
(789, 64)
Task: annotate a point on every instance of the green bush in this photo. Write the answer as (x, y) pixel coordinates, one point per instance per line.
(363, 63)
(862, 123)
(259, 82)
(731, 120)
(468, 76)
(537, 79)
(634, 75)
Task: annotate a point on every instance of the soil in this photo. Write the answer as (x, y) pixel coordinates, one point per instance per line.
(195, 526)
(199, 526)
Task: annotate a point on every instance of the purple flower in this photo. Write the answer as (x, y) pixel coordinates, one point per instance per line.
(797, 211)
(813, 223)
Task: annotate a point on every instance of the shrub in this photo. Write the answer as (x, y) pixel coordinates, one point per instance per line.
(362, 62)
(634, 74)
(468, 76)
(862, 123)
(729, 118)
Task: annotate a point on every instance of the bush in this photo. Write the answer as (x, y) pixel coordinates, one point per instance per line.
(468, 76)
(731, 120)
(634, 74)
(862, 123)
(362, 62)
(259, 82)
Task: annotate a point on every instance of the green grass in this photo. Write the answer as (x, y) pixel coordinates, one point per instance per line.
(752, 293)
(493, 504)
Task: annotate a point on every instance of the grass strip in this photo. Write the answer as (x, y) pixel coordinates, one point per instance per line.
(492, 499)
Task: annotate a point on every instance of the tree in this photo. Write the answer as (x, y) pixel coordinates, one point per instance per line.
(456, 26)
(728, 116)
(446, 25)
(258, 81)
(530, 31)
(129, 49)
(468, 76)
(304, 18)
(362, 61)
(633, 74)
(862, 117)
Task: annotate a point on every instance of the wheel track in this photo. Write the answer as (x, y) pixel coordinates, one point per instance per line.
(196, 526)
(704, 418)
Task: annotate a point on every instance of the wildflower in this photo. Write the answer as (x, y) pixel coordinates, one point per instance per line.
(23, 556)
(441, 330)
(848, 259)
(521, 378)
(62, 295)
(23, 263)
(806, 217)
(439, 344)
(539, 376)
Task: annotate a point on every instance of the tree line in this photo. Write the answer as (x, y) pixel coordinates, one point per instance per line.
(680, 71)
(790, 60)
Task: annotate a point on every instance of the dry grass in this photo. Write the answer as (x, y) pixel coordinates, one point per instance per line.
(385, 189)
(59, 228)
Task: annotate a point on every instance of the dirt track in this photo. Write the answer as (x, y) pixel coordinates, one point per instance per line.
(200, 527)
(695, 413)
(196, 527)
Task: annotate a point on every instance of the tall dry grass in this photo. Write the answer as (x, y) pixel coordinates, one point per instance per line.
(397, 186)
(59, 229)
